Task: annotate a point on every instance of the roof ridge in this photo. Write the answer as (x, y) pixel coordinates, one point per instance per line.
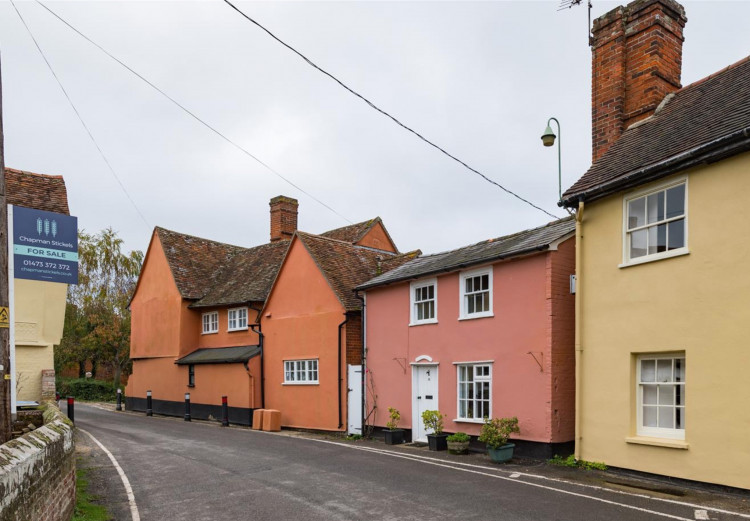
(717, 73)
(26, 172)
(347, 243)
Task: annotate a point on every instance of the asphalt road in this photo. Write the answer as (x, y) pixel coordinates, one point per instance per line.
(198, 471)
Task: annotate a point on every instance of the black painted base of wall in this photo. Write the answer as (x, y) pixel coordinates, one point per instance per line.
(524, 449)
(198, 411)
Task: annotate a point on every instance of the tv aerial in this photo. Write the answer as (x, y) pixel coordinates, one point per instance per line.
(567, 4)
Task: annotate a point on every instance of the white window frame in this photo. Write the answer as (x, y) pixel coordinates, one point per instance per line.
(462, 293)
(413, 287)
(238, 319)
(210, 326)
(475, 379)
(626, 260)
(306, 368)
(657, 432)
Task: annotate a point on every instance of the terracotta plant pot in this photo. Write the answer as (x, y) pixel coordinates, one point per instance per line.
(501, 454)
(394, 437)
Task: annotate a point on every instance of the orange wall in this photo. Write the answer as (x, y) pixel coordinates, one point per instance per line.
(168, 381)
(300, 321)
(155, 309)
(377, 238)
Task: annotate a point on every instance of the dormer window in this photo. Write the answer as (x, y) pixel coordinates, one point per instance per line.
(237, 319)
(210, 322)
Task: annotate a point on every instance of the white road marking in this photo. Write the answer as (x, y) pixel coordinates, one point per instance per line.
(128, 489)
(515, 475)
(701, 514)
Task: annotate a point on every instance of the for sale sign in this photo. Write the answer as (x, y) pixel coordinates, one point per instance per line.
(45, 246)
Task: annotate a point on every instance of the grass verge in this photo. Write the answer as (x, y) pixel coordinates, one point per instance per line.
(86, 510)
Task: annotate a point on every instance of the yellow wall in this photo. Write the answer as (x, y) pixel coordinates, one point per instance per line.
(698, 304)
(39, 318)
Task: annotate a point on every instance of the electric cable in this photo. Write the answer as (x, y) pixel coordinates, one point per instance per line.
(386, 114)
(80, 118)
(193, 115)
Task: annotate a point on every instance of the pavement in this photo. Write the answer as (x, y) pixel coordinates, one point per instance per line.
(202, 471)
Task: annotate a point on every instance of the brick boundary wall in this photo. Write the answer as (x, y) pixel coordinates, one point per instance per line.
(38, 472)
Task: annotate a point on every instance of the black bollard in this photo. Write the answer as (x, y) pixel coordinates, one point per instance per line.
(149, 409)
(187, 407)
(71, 409)
(224, 412)
(119, 400)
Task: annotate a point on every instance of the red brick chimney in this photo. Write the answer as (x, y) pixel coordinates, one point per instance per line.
(636, 62)
(283, 217)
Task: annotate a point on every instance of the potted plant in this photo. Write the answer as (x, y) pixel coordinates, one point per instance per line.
(433, 421)
(495, 434)
(393, 435)
(458, 443)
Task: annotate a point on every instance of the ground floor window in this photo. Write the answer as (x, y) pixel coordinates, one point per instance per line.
(474, 391)
(191, 375)
(661, 396)
(300, 371)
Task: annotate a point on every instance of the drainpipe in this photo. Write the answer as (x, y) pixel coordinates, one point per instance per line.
(363, 383)
(341, 326)
(579, 330)
(262, 358)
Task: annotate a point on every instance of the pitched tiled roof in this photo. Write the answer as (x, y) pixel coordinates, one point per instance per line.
(528, 241)
(220, 355)
(352, 233)
(195, 263)
(345, 265)
(247, 276)
(702, 122)
(38, 191)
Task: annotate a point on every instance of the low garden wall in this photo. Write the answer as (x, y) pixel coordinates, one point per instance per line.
(38, 472)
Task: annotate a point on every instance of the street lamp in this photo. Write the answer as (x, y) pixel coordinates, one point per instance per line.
(548, 139)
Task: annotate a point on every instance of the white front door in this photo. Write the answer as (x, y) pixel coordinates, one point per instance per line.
(424, 397)
(354, 380)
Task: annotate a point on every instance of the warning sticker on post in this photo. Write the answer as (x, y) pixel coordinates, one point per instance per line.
(4, 317)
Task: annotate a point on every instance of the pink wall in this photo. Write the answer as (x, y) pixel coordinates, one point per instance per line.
(303, 324)
(522, 322)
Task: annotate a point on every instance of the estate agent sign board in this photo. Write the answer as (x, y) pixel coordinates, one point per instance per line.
(45, 246)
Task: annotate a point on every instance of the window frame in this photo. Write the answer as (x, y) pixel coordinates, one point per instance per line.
(413, 320)
(463, 315)
(238, 319)
(662, 187)
(191, 375)
(482, 378)
(210, 323)
(658, 432)
(307, 370)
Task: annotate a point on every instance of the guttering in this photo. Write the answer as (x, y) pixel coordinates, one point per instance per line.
(363, 383)
(578, 331)
(710, 152)
(346, 319)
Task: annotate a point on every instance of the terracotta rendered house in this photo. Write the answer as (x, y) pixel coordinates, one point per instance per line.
(196, 319)
(663, 301)
(481, 331)
(39, 305)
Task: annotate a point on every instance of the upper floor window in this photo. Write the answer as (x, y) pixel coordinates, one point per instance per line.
(424, 302)
(656, 224)
(661, 396)
(211, 322)
(476, 293)
(237, 319)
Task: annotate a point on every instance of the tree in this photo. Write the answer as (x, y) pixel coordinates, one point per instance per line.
(97, 318)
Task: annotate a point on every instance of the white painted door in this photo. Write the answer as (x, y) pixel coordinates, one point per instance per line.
(424, 397)
(354, 410)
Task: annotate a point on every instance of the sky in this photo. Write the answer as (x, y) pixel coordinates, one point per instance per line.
(480, 79)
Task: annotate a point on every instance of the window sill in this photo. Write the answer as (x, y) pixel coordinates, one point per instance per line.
(210, 332)
(237, 329)
(655, 257)
(300, 383)
(468, 420)
(474, 317)
(658, 442)
(422, 323)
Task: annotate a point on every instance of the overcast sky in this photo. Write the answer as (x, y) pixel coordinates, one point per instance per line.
(480, 79)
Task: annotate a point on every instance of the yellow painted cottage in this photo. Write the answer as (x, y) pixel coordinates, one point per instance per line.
(663, 257)
(39, 306)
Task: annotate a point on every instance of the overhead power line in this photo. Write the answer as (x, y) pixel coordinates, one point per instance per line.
(386, 114)
(80, 118)
(192, 114)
